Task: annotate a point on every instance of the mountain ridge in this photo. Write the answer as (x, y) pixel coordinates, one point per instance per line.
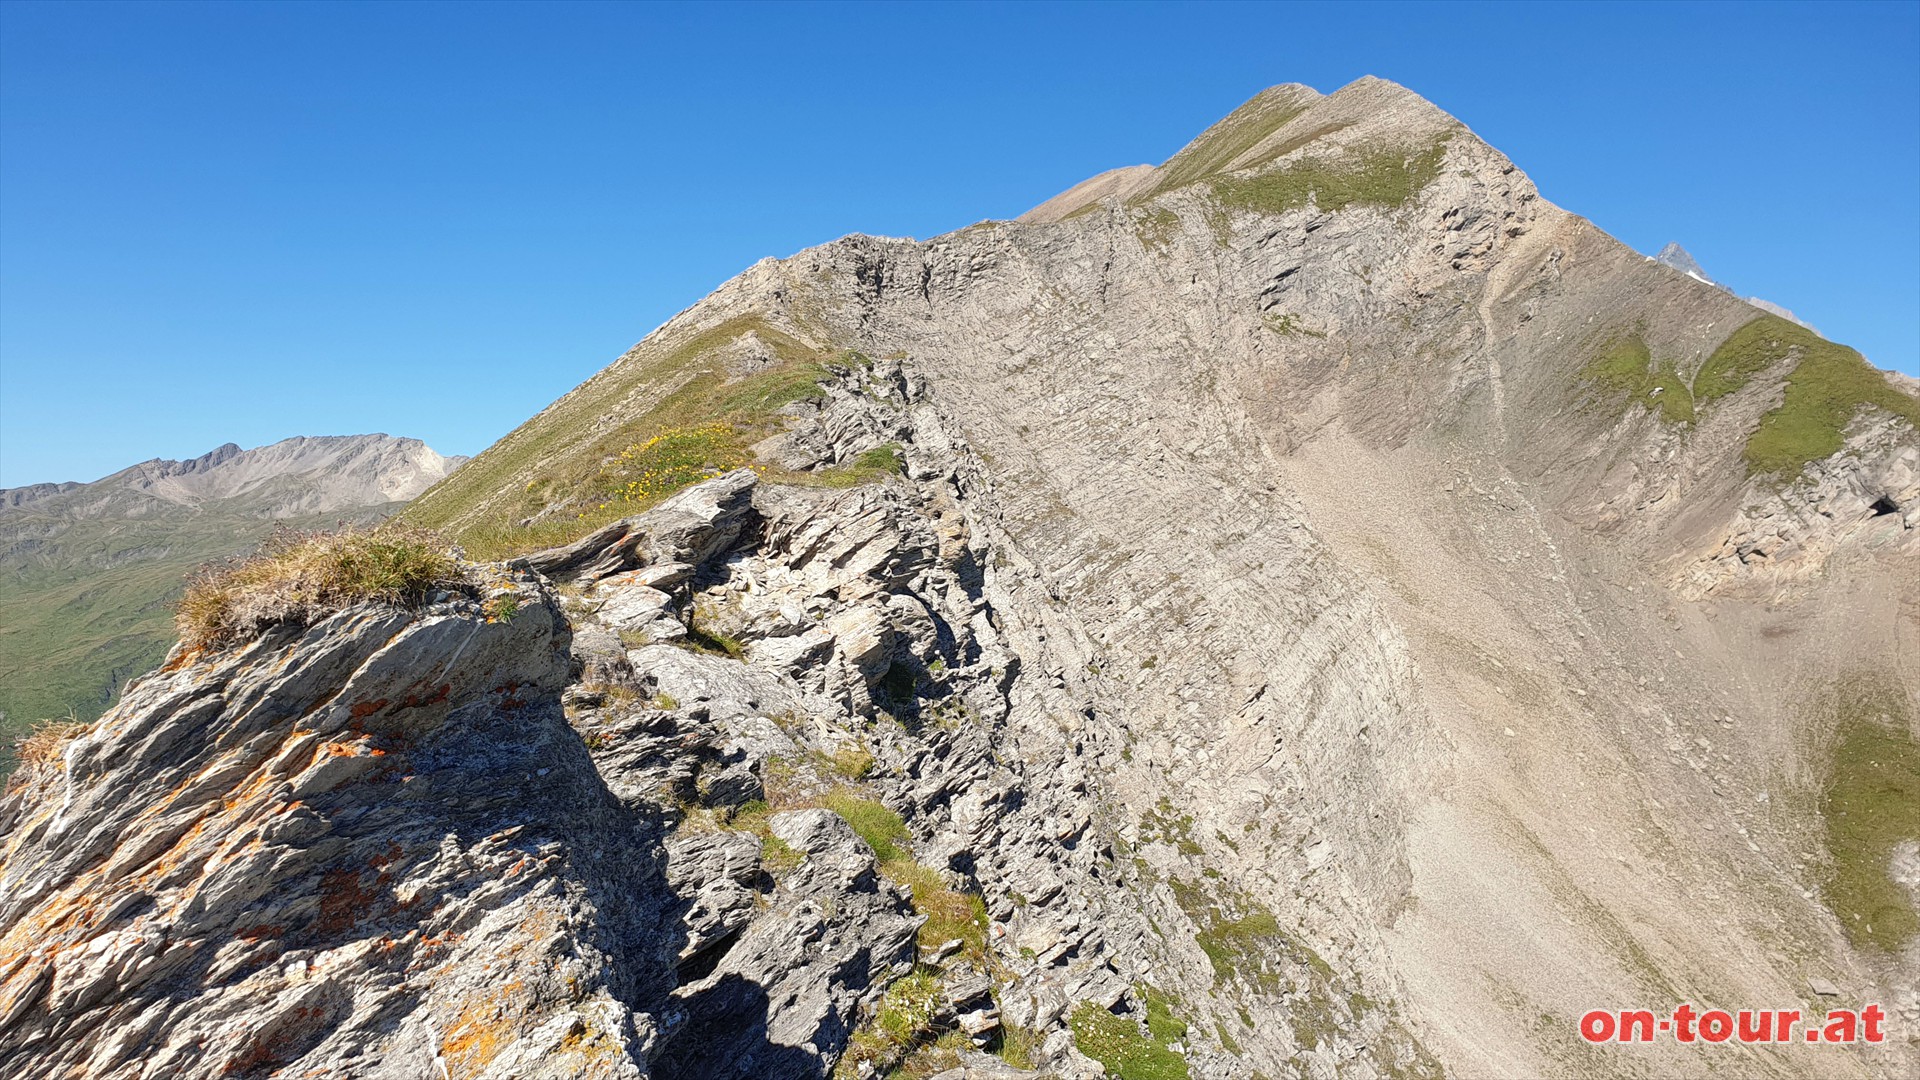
(377, 468)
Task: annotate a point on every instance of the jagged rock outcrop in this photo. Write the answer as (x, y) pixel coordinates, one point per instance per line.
(1245, 617)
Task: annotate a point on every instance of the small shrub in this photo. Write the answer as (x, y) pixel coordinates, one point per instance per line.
(297, 577)
(501, 607)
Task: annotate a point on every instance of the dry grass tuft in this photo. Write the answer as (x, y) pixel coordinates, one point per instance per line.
(48, 739)
(43, 747)
(299, 576)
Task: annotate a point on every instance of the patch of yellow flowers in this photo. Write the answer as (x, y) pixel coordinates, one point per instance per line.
(676, 458)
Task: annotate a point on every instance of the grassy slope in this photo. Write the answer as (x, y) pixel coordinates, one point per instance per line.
(1626, 369)
(1827, 385)
(1376, 176)
(1870, 805)
(1219, 145)
(584, 461)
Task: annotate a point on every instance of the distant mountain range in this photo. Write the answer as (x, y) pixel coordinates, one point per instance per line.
(1678, 257)
(88, 571)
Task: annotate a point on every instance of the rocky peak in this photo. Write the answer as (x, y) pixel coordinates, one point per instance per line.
(1676, 256)
(1280, 125)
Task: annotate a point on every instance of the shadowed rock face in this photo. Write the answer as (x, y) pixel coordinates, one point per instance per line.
(1278, 617)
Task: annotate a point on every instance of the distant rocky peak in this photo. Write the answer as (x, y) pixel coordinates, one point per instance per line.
(1678, 257)
(303, 474)
(214, 458)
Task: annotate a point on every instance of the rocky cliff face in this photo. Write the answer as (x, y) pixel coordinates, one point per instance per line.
(1311, 608)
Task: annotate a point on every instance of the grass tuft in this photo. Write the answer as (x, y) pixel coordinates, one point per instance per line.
(905, 1021)
(952, 914)
(45, 744)
(297, 577)
(881, 828)
(870, 467)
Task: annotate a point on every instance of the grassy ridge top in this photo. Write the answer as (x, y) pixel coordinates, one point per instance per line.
(1827, 387)
(1385, 176)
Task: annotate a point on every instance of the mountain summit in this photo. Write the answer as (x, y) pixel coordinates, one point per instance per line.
(1676, 256)
(1308, 608)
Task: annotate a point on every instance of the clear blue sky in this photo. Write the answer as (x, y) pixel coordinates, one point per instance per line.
(242, 222)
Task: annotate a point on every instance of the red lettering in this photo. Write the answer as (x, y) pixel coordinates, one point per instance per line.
(1872, 1015)
(1691, 1025)
(1683, 1023)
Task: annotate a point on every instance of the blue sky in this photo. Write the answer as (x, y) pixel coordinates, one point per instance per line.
(244, 222)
